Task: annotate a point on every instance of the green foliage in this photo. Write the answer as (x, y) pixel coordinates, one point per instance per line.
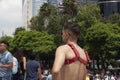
(35, 24)
(115, 19)
(53, 24)
(55, 28)
(47, 10)
(39, 42)
(104, 41)
(113, 40)
(5, 38)
(18, 30)
(70, 8)
(38, 22)
(88, 15)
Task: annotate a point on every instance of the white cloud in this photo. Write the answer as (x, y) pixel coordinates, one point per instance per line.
(10, 16)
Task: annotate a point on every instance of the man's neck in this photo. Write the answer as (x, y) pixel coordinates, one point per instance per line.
(74, 41)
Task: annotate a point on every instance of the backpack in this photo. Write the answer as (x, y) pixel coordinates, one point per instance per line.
(15, 65)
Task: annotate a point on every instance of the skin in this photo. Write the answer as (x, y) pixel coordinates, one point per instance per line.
(65, 52)
(3, 48)
(24, 63)
(39, 74)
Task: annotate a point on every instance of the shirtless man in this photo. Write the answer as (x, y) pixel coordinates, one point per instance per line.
(75, 70)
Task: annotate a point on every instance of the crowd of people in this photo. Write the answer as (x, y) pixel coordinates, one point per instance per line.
(91, 75)
(69, 64)
(20, 69)
(108, 75)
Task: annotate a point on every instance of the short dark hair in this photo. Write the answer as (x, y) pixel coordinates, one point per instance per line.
(5, 42)
(72, 26)
(32, 55)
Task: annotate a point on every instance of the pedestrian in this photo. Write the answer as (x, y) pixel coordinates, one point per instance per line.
(21, 74)
(33, 68)
(49, 77)
(70, 59)
(112, 77)
(6, 61)
(15, 69)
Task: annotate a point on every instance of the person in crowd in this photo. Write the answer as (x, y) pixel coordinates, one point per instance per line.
(6, 61)
(88, 76)
(21, 74)
(70, 59)
(97, 77)
(112, 77)
(49, 77)
(33, 68)
(16, 75)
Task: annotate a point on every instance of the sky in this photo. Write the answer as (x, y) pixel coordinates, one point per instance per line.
(10, 16)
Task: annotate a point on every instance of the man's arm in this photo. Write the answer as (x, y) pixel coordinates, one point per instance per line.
(58, 63)
(24, 63)
(9, 65)
(39, 74)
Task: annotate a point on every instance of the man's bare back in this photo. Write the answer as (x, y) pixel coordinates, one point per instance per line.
(76, 69)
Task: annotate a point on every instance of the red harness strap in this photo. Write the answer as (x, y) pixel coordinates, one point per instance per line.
(69, 61)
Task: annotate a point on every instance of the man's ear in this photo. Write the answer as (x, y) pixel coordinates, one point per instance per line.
(67, 35)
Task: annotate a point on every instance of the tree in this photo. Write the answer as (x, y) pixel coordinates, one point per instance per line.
(87, 16)
(103, 41)
(52, 26)
(18, 30)
(39, 42)
(70, 8)
(39, 22)
(115, 19)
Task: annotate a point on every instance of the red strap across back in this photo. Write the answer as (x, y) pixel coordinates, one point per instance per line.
(68, 61)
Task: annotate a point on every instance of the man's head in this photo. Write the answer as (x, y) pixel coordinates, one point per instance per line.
(70, 30)
(3, 46)
(32, 55)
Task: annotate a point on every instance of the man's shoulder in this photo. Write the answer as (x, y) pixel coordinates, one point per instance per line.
(63, 47)
(33, 62)
(8, 53)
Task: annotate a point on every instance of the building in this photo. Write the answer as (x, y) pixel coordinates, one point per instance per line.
(30, 8)
(109, 7)
(86, 1)
(53, 2)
